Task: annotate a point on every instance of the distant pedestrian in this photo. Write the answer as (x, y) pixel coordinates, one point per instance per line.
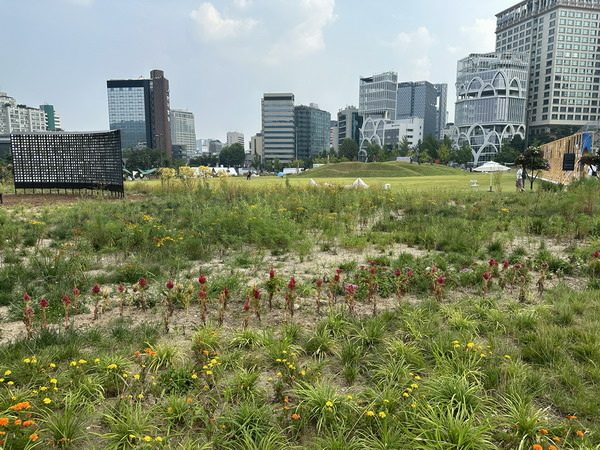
(520, 184)
(249, 175)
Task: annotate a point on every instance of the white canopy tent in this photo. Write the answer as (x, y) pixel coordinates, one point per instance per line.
(491, 167)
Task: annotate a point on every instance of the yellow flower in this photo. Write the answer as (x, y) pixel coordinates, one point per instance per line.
(1, 380)
(111, 366)
(470, 345)
(483, 355)
(52, 365)
(417, 377)
(136, 376)
(507, 356)
(456, 345)
(132, 436)
(414, 405)
(125, 375)
(370, 413)
(414, 385)
(10, 383)
(209, 372)
(349, 397)
(53, 380)
(330, 404)
(405, 394)
(97, 360)
(158, 439)
(47, 401)
(7, 373)
(140, 396)
(382, 414)
(82, 361)
(43, 388)
(385, 400)
(26, 360)
(73, 363)
(278, 374)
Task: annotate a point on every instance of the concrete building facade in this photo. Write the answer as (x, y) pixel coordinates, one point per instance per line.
(183, 132)
(278, 127)
(391, 132)
(349, 124)
(235, 137)
(15, 118)
(561, 39)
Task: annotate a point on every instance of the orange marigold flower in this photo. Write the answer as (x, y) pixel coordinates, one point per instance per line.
(28, 422)
(552, 447)
(537, 447)
(543, 431)
(571, 417)
(3, 421)
(295, 416)
(18, 422)
(2, 433)
(34, 437)
(579, 433)
(20, 406)
(556, 439)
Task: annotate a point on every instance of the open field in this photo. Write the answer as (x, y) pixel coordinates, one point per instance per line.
(264, 314)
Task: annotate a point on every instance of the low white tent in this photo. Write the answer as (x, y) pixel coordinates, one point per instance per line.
(357, 184)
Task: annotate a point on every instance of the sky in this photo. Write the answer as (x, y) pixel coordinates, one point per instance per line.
(220, 56)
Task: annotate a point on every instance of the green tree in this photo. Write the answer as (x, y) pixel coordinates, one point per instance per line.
(277, 166)
(257, 162)
(296, 163)
(444, 154)
(463, 155)
(348, 149)
(232, 156)
(204, 160)
(533, 163)
(507, 154)
(431, 145)
(144, 159)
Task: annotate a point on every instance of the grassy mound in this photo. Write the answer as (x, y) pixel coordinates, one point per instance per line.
(385, 169)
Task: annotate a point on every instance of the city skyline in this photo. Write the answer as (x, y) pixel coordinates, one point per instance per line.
(221, 57)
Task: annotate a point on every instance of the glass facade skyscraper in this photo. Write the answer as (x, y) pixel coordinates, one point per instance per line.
(140, 109)
(377, 96)
(312, 131)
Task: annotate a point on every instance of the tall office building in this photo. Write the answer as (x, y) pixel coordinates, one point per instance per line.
(349, 124)
(278, 128)
(16, 118)
(183, 132)
(418, 99)
(441, 113)
(491, 91)
(52, 118)
(377, 96)
(312, 131)
(140, 109)
(334, 132)
(235, 137)
(561, 38)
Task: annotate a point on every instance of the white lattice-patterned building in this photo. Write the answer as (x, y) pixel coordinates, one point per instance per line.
(491, 102)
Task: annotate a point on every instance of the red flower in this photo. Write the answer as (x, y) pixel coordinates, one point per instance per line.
(43, 303)
(226, 291)
(336, 277)
(505, 264)
(373, 270)
(202, 279)
(65, 299)
(29, 310)
(292, 284)
(256, 294)
(202, 294)
(319, 283)
(170, 284)
(597, 254)
(272, 273)
(339, 271)
(96, 288)
(398, 273)
(486, 275)
(75, 290)
(350, 289)
(247, 304)
(441, 280)
(492, 262)
(121, 288)
(373, 263)
(26, 297)
(142, 282)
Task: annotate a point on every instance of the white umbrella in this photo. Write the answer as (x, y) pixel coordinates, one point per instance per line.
(491, 167)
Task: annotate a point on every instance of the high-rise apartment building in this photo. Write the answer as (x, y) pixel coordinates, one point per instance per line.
(349, 124)
(183, 132)
(16, 118)
(441, 113)
(278, 127)
(562, 41)
(235, 137)
(312, 131)
(491, 91)
(377, 96)
(140, 109)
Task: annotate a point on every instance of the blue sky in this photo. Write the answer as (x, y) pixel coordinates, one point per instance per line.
(221, 56)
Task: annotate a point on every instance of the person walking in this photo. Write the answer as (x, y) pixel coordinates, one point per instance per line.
(520, 184)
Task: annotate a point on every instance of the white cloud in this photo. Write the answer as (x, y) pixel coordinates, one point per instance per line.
(213, 26)
(242, 4)
(305, 35)
(480, 35)
(413, 50)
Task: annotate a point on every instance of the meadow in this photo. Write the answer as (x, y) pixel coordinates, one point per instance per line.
(263, 314)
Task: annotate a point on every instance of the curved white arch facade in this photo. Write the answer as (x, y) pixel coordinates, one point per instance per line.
(491, 102)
